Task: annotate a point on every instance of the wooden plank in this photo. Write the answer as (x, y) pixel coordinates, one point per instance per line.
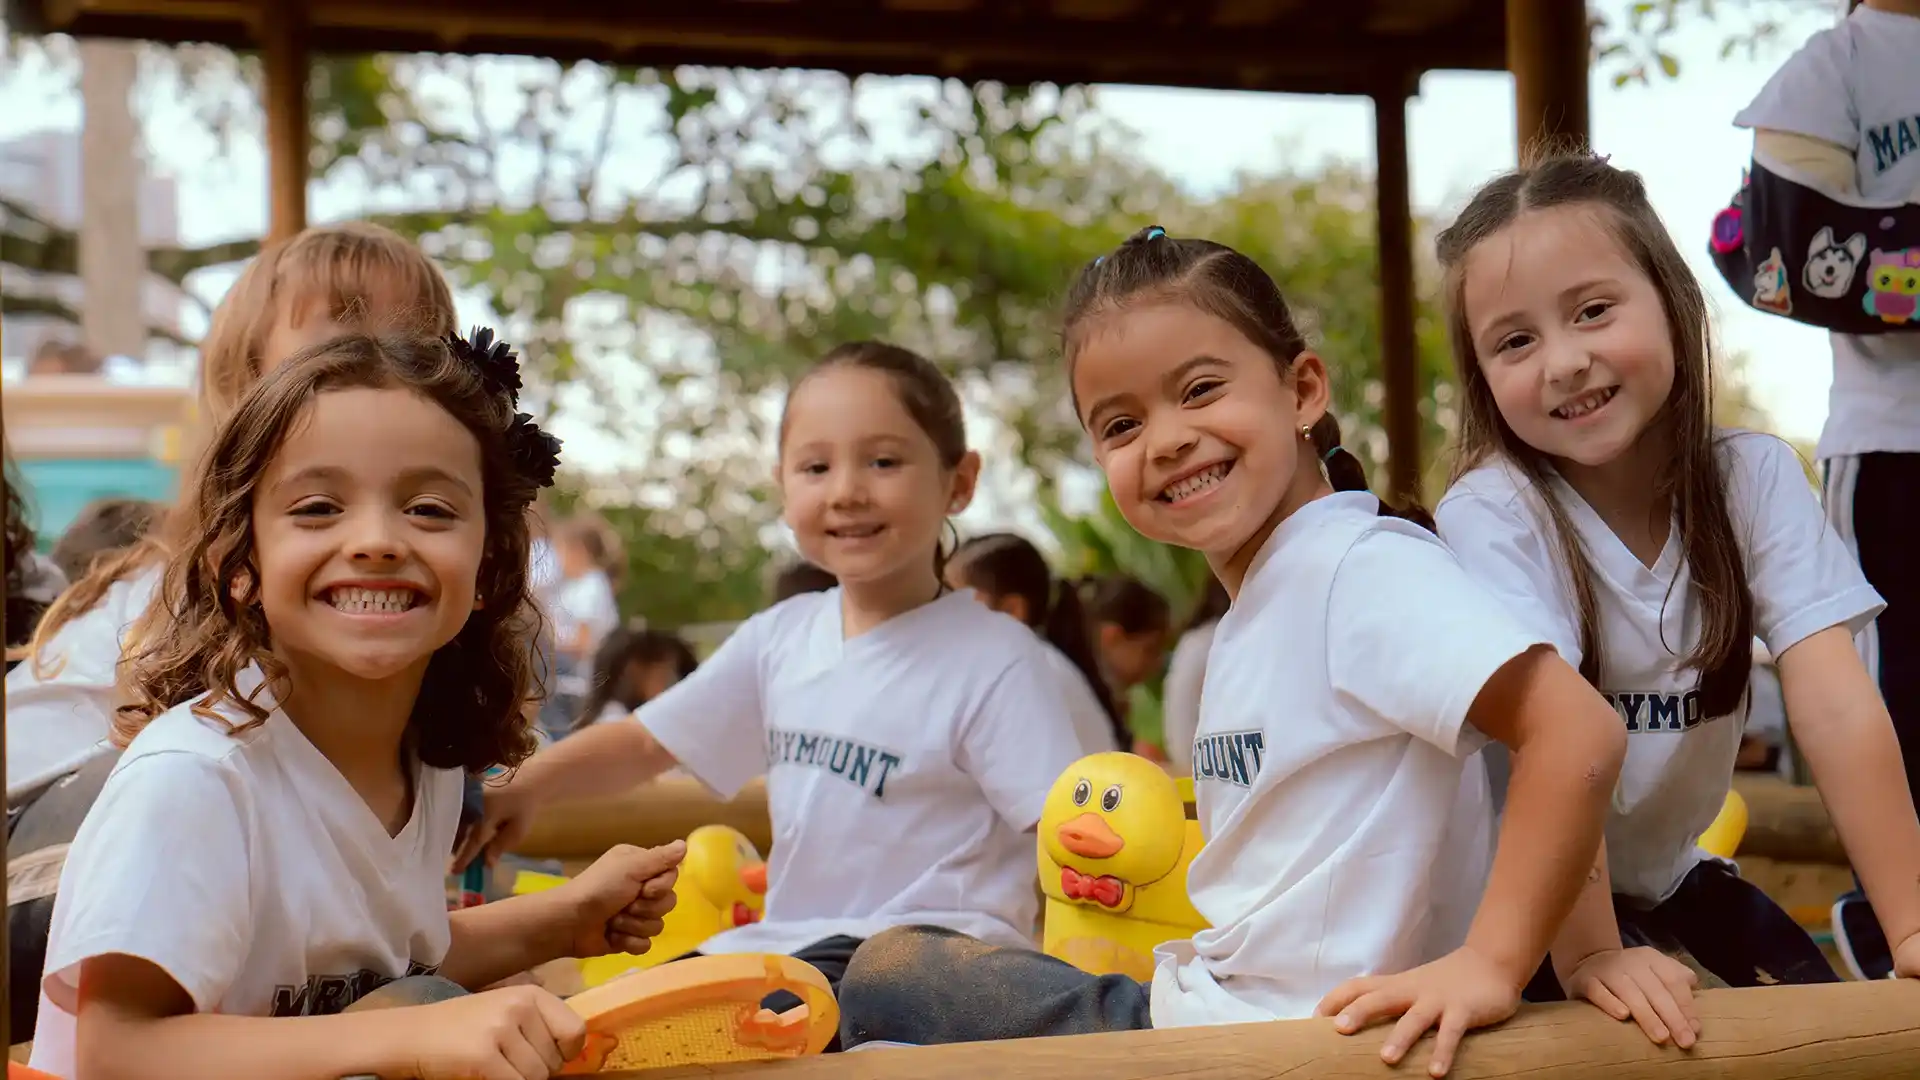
(1840, 1031)
(652, 814)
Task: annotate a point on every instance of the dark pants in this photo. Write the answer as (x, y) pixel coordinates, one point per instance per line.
(829, 956)
(50, 820)
(926, 985)
(1870, 503)
(1883, 514)
(1727, 924)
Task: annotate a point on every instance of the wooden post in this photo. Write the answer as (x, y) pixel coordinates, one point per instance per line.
(283, 55)
(113, 265)
(1549, 43)
(1399, 349)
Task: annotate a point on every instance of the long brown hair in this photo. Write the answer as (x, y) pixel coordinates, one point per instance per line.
(1220, 281)
(353, 272)
(205, 626)
(1692, 480)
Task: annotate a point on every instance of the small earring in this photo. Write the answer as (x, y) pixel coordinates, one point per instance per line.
(1306, 432)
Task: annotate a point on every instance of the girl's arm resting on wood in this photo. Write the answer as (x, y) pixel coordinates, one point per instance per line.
(1841, 724)
(1591, 927)
(499, 940)
(1567, 748)
(136, 1023)
(600, 761)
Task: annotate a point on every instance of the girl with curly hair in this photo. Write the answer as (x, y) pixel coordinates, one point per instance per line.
(348, 635)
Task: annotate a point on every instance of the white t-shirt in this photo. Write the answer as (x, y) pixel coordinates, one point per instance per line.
(1857, 86)
(1180, 695)
(1091, 725)
(1349, 829)
(1679, 764)
(904, 766)
(247, 868)
(59, 723)
(587, 601)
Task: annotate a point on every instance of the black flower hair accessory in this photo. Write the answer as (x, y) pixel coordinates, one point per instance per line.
(534, 453)
(497, 363)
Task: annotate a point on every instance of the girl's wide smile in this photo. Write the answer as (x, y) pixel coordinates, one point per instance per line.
(1195, 483)
(364, 600)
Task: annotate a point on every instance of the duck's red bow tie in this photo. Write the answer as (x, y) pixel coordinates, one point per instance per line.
(1105, 891)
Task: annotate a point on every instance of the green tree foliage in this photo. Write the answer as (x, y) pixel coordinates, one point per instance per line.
(681, 242)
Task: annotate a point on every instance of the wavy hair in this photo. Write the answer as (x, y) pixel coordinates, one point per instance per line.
(205, 626)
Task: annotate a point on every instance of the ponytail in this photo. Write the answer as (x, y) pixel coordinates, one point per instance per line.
(1346, 473)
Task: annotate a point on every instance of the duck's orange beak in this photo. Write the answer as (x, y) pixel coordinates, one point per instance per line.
(1090, 837)
(754, 877)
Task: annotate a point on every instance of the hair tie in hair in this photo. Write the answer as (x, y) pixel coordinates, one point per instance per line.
(1328, 456)
(1155, 233)
(498, 365)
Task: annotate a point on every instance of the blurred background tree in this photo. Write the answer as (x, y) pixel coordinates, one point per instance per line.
(668, 247)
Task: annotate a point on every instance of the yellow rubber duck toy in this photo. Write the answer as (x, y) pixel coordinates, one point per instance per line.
(1723, 837)
(722, 884)
(1114, 845)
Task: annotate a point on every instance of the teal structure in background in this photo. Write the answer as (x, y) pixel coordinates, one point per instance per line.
(58, 488)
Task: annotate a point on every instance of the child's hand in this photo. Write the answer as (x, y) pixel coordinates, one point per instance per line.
(519, 1033)
(1906, 958)
(1461, 990)
(618, 902)
(1646, 985)
(503, 823)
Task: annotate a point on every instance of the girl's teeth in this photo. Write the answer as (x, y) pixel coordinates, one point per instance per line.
(372, 601)
(1585, 405)
(1194, 485)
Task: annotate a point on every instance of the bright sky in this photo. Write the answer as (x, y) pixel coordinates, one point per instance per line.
(1678, 134)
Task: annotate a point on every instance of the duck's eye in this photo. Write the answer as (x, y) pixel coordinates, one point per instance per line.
(1110, 799)
(1082, 791)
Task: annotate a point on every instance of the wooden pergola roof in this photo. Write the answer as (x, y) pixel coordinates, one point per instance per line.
(1300, 46)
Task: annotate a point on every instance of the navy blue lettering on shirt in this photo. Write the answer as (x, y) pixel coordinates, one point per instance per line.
(1891, 142)
(865, 767)
(325, 995)
(1230, 756)
(1654, 713)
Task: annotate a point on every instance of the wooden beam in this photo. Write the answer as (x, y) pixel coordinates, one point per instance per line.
(1839, 1031)
(809, 34)
(1549, 43)
(652, 814)
(287, 65)
(1399, 348)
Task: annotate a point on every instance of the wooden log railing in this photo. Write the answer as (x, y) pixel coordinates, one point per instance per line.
(1787, 822)
(652, 814)
(1841, 1031)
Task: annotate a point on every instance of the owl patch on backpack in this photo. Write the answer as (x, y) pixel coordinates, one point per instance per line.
(1770, 291)
(1830, 266)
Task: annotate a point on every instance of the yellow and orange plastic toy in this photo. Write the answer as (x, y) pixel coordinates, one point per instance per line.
(1114, 848)
(703, 1011)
